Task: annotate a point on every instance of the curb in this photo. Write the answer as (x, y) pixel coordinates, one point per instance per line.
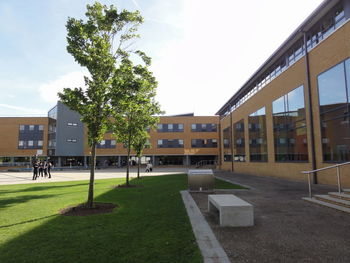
(209, 246)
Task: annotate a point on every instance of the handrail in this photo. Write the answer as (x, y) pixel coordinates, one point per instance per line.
(322, 169)
(325, 168)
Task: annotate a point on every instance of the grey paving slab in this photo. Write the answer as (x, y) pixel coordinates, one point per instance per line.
(287, 228)
(7, 178)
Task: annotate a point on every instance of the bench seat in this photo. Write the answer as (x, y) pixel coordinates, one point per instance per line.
(233, 211)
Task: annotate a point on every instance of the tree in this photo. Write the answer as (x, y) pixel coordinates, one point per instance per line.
(139, 145)
(99, 44)
(138, 110)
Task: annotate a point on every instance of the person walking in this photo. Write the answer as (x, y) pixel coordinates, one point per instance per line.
(49, 164)
(149, 167)
(35, 170)
(45, 168)
(41, 169)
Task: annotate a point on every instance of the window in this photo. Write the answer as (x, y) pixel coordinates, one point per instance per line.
(40, 143)
(323, 28)
(204, 143)
(180, 126)
(160, 126)
(30, 143)
(41, 127)
(257, 136)
(227, 144)
(203, 127)
(289, 127)
(21, 127)
(72, 124)
(170, 127)
(71, 140)
(239, 142)
(333, 89)
(20, 143)
(227, 137)
(170, 143)
(31, 127)
(113, 142)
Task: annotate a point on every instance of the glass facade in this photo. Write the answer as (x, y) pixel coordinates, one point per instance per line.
(106, 144)
(257, 136)
(30, 136)
(227, 144)
(170, 127)
(170, 143)
(321, 30)
(239, 141)
(333, 89)
(203, 127)
(289, 127)
(204, 143)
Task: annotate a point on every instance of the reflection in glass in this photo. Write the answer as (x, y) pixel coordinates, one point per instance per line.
(239, 144)
(257, 136)
(333, 88)
(289, 127)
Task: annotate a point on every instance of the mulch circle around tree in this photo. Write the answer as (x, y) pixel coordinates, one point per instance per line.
(83, 210)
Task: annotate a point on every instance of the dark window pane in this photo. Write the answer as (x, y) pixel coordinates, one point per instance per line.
(238, 142)
(257, 136)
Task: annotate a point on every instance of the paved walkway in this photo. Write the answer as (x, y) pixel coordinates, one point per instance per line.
(287, 229)
(76, 175)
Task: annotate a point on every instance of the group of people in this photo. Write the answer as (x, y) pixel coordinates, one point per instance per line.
(41, 168)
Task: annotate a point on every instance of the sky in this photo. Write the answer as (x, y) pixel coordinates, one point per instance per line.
(202, 51)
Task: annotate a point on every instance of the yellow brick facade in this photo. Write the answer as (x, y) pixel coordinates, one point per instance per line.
(328, 53)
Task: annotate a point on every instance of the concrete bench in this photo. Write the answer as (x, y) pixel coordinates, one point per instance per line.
(233, 211)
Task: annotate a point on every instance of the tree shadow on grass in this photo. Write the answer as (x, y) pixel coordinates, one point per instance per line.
(28, 221)
(150, 225)
(41, 188)
(21, 199)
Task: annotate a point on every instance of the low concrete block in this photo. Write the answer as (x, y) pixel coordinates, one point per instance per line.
(233, 211)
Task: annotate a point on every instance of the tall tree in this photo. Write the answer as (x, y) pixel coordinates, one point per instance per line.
(138, 109)
(139, 144)
(99, 44)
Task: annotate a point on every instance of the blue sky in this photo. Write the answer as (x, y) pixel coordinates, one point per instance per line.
(202, 51)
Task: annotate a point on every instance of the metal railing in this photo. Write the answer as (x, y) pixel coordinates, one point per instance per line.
(322, 169)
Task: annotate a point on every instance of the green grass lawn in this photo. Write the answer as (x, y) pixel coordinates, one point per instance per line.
(150, 223)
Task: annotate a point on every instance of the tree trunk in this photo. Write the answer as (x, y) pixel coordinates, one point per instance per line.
(92, 176)
(138, 167)
(128, 167)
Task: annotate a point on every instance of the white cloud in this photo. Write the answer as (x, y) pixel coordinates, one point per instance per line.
(222, 45)
(48, 91)
(23, 109)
